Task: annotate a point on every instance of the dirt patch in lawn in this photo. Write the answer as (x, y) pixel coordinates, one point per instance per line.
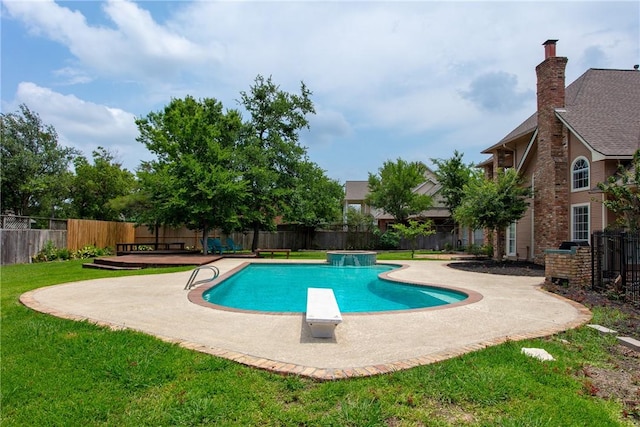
(622, 380)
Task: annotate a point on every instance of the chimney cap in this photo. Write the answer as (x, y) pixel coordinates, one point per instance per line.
(550, 41)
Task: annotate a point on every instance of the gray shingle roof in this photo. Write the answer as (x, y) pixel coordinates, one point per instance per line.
(603, 108)
(356, 190)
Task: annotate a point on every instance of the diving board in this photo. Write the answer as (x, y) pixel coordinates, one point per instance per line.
(323, 314)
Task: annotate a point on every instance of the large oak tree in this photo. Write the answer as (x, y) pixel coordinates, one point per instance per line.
(271, 156)
(197, 183)
(35, 175)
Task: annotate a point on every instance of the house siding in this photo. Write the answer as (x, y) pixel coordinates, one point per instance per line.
(596, 118)
(525, 226)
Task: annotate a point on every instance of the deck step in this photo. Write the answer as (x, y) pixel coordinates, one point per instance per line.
(109, 267)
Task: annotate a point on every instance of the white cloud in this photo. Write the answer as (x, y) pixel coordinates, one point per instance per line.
(379, 71)
(72, 76)
(85, 125)
(137, 47)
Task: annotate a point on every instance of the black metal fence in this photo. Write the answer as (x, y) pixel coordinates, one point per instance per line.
(615, 264)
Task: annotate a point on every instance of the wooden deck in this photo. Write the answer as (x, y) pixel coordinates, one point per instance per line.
(131, 262)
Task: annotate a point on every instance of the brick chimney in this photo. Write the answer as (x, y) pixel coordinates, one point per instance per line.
(551, 185)
(549, 48)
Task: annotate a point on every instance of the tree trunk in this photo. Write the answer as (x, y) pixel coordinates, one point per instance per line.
(498, 249)
(205, 243)
(256, 236)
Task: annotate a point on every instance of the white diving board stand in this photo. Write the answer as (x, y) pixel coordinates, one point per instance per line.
(323, 314)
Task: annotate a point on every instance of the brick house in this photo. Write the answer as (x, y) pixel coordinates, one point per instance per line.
(577, 138)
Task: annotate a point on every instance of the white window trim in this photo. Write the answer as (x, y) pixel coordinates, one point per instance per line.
(515, 240)
(573, 189)
(578, 205)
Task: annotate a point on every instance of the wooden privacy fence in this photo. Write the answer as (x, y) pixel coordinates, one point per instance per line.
(21, 238)
(289, 239)
(101, 234)
(18, 246)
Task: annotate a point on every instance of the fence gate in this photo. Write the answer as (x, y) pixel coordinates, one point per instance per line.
(615, 263)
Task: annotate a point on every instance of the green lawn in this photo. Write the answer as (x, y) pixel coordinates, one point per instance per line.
(59, 372)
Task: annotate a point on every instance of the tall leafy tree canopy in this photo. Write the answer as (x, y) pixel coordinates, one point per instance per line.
(271, 156)
(622, 195)
(493, 203)
(198, 183)
(97, 185)
(35, 167)
(317, 200)
(452, 175)
(392, 189)
(149, 203)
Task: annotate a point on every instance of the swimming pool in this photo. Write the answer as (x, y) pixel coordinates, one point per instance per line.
(283, 288)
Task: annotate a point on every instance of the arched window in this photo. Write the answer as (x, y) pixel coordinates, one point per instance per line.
(580, 174)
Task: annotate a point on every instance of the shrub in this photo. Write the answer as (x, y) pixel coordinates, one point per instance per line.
(50, 253)
(486, 250)
(388, 240)
(91, 251)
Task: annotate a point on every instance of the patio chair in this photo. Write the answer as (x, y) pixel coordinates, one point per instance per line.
(214, 245)
(217, 245)
(232, 246)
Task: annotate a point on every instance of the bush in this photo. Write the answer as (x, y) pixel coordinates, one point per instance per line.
(388, 240)
(91, 252)
(50, 253)
(486, 250)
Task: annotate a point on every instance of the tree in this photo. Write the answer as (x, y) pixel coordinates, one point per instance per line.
(317, 199)
(493, 204)
(271, 157)
(194, 180)
(358, 225)
(413, 230)
(35, 168)
(452, 175)
(392, 190)
(622, 196)
(97, 185)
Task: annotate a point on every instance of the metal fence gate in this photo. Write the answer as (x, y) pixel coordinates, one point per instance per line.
(615, 263)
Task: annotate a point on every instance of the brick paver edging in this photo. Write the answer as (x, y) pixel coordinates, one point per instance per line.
(328, 374)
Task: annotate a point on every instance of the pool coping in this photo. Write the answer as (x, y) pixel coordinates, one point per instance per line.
(35, 300)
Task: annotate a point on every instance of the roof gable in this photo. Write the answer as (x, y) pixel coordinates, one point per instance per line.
(601, 108)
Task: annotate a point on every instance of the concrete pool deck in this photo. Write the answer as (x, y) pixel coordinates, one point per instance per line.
(511, 308)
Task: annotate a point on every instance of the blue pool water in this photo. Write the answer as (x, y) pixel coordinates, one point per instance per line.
(283, 288)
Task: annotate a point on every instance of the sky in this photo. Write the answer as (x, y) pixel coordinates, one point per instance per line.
(414, 80)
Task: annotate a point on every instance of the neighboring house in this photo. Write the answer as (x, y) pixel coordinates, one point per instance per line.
(356, 192)
(577, 138)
